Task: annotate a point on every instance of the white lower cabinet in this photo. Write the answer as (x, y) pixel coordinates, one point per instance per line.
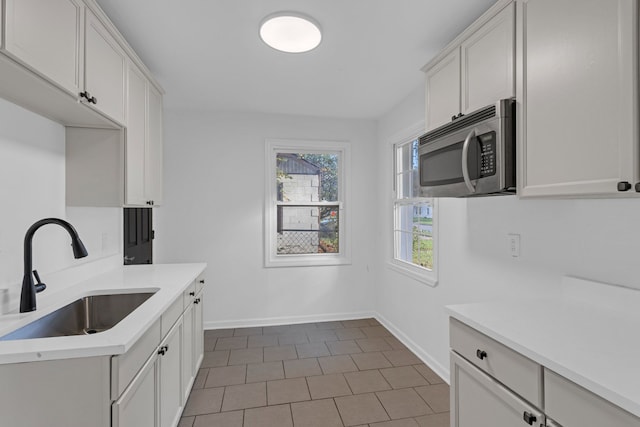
(476, 396)
(158, 393)
(137, 405)
(573, 406)
(198, 330)
(492, 385)
(170, 376)
(187, 352)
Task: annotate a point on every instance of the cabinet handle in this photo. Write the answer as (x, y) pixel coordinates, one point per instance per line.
(202, 280)
(161, 351)
(637, 187)
(624, 186)
(453, 117)
(197, 301)
(481, 354)
(529, 418)
(84, 94)
(192, 293)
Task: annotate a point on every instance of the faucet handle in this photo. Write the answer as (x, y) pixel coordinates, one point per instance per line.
(39, 285)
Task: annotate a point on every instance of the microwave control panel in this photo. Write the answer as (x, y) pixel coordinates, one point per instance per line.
(487, 157)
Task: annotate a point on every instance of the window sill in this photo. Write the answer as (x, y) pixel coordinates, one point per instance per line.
(307, 261)
(418, 274)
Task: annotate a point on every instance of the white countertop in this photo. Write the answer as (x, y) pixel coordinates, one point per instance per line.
(169, 280)
(589, 335)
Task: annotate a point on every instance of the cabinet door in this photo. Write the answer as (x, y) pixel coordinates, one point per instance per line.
(153, 177)
(105, 66)
(574, 406)
(443, 91)
(136, 136)
(137, 406)
(487, 61)
(578, 119)
(170, 359)
(198, 328)
(46, 36)
(188, 362)
(479, 400)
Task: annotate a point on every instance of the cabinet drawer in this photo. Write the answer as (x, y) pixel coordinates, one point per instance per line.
(477, 398)
(571, 405)
(189, 295)
(200, 283)
(124, 367)
(170, 316)
(517, 372)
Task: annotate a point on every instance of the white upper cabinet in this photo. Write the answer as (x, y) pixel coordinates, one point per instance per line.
(578, 114)
(154, 154)
(47, 36)
(475, 70)
(443, 90)
(487, 61)
(105, 67)
(135, 136)
(143, 146)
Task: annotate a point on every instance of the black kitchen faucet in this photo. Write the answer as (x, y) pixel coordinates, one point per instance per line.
(29, 289)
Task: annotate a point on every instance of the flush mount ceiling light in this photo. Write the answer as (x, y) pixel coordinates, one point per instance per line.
(290, 32)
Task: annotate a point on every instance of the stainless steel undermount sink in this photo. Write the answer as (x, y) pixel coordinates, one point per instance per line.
(85, 316)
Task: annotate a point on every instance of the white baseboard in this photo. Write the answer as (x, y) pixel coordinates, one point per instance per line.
(435, 366)
(288, 320)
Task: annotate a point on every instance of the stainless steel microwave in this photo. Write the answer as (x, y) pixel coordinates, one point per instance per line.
(473, 155)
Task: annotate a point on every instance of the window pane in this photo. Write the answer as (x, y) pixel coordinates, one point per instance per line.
(414, 234)
(307, 229)
(304, 177)
(408, 180)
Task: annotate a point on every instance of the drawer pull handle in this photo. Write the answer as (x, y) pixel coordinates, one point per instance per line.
(202, 281)
(529, 418)
(192, 293)
(481, 354)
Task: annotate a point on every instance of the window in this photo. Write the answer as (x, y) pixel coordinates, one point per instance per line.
(306, 190)
(414, 231)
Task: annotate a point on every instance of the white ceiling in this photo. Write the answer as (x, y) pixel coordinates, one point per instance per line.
(207, 54)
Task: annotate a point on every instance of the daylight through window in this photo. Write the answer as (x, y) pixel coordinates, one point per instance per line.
(306, 211)
(414, 231)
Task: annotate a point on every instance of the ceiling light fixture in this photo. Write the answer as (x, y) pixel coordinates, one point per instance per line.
(290, 32)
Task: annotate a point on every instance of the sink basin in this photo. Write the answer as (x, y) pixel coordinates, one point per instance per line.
(88, 315)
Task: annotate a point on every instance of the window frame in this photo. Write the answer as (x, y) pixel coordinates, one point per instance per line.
(416, 272)
(272, 148)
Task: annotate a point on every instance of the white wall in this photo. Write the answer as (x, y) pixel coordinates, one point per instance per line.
(32, 187)
(213, 212)
(595, 239)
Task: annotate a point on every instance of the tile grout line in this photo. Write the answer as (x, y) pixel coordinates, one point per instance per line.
(381, 404)
(338, 410)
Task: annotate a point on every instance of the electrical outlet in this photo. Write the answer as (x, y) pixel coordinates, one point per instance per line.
(514, 245)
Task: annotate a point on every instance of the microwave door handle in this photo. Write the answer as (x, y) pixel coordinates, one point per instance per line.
(465, 166)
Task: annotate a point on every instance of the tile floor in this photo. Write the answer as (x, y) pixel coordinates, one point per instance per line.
(349, 373)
